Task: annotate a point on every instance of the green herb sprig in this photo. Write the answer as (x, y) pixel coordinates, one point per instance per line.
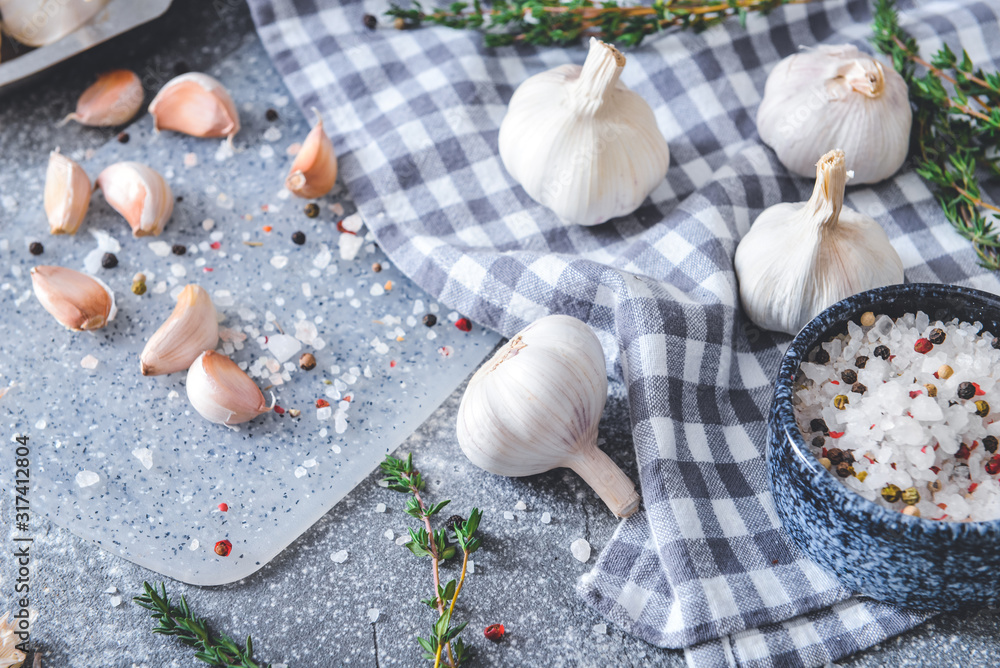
(553, 22)
(179, 621)
(443, 643)
(956, 129)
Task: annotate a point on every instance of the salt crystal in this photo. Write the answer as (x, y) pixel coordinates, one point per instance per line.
(178, 270)
(305, 331)
(546, 518)
(520, 505)
(89, 362)
(324, 258)
(389, 534)
(339, 557)
(300, 471)
(373, 614)
(380, 508)
(471, 567)
(380, 347)
(377, 290)
(266, 152)
(600, 629)
(309, 463)
(111, 590)
(402, 540)
(87, 478)
(145, 457)
(349, 245)
(352, 223)
(340, 423)
(507, 515)
(40, 424)
(194, 545)
(283, 346)
(207, 225)
(324, 413)
(580, 549)
(272, 134)
(279, 261)
(115, 601)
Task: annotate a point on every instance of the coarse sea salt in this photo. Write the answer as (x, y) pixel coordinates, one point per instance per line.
(339, 557)
(580, 549)
(901, 412)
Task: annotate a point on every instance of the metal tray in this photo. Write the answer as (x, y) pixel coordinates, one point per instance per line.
(117, 17)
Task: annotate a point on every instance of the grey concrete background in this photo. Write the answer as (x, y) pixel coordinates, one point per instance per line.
(303, 609)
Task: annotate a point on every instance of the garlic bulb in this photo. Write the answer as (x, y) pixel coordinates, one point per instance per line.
(41, 22)
(536, 406)
(197, 105)
(111, 100)
(798, 259)
(836, 97)
(67, 194)
(314, 170)
(220, 391)
(139, 194)
(191, 329)
(581, 143)
(78, 301)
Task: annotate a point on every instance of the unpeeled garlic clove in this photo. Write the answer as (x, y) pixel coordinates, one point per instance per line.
(78, 301)
(111, 100)
(191, 329)
(67, 194)
(195, 104)
(139, 194)
(221, 392)
(314, 170)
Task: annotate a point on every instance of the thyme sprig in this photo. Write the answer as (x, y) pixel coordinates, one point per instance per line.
(443, 644)
(554, 22)
(956, 129)
(193, 631)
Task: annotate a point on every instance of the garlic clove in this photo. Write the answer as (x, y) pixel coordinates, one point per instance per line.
(220, 391)
(139, 194)
(314, 170)
(581, 143)
(798, 259)
(36, 23)
(67, 194)
(111, 100)
(195, 104)
(536, 405)
(191, 329)
(78, 301)
(834, 97)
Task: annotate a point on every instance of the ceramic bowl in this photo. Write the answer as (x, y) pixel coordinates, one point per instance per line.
(877, 552)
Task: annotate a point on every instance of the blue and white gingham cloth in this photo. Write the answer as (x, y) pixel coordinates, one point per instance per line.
(414, 116)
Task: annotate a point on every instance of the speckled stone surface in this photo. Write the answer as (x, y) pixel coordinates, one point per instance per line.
(302, 608)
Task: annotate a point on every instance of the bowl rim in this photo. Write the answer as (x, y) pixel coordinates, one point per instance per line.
(784, 414)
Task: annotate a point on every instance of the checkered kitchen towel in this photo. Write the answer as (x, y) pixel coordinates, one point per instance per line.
(414, 116)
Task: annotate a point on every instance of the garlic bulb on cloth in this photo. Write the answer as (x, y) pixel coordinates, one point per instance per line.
(798, 259)
(836, 97)
(535, 406)
(581, 143)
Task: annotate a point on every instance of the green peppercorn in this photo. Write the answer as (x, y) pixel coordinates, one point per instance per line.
(840, 401)
(139, 287)
(982, 408)
(966, 390)
(937, 336)
(861, 476)
(312, 209)
(860, 361)
(821, 356)
(891, 493)
(859, 388)
(817, 424)
(819, 442)
(990, 443)
(850, 376)
(881, 351)
(835, 455)
(910, 496)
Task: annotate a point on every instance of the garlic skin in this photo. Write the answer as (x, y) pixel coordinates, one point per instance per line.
(220, 391)
(139, 194)
(836, 97)
(111, 100)
(798, 259)
(195, 104)
(41, 22)
(314, 170)
(78, 301)
(191, 329)
(536, 405)
(67, 194)
(581, 143)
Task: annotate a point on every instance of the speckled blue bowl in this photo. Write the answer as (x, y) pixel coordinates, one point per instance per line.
(909, 561)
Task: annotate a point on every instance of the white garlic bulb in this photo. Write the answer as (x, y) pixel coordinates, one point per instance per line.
(836, 97)
(535, 406)
(581, 143)
(798, 259)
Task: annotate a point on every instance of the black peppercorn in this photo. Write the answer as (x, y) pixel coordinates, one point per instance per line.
(36, 248)
(844, 470)
(990, 443)
(819, 424)
(937, 336)
(881, 351)
(966, 390)
(370, 21)
(821, 357)
(849, 376)
(819, 442)
(178, 249)
(861, 361)
(453, 520)
(298, 238)
(123, 137)
(859, 388)
(430, 319)
(312, 209)
(271, 115)
(849, 456)
(109, 261)
(835, 455)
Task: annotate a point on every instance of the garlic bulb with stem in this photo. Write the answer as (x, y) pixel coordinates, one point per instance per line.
(536, 405)
(221, 392)
(67, 194)
(836, 97)
(581, 143)
(798, 259)
(139, 194)
(78, 301)
(195, 104)
(191, 329)
(314, 170)
(111, 100)
(41, 22)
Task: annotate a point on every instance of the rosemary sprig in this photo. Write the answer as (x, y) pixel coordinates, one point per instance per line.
(554, 22)
(443, 643)
(956, 129)
(179, 621)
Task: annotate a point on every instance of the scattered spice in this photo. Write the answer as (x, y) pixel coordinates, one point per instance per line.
(859, 388)
(463, 324)
(963, 452)
(223, 507)
(376, 267)
(881, 351)
(109, 261)
(123, 137)
(139, 286)
(923, 346)
(912, 511)
(294, 412)
(821, 357)
(298, 238)
(307, 362)
(944, 372)
(267, 228)
(891, 493)
(254, 243)
(825, 461)
(910, 496)
(36, 248)
(867, 319)
(818, 442)
(931, 390)
(271, 115)
(494, 632)
(844, 470)
(850, 376)
(861, 361)
(399, 23)
(369, 21)
(982, 408)
(993, 465)
(990, 443)
(819, 424)
(966, 390)
(223, 548)
(840, 401)
(312, 209)
(937, 336)
(322, 403)
(835, 455)
(178, 249)
(430, 319)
